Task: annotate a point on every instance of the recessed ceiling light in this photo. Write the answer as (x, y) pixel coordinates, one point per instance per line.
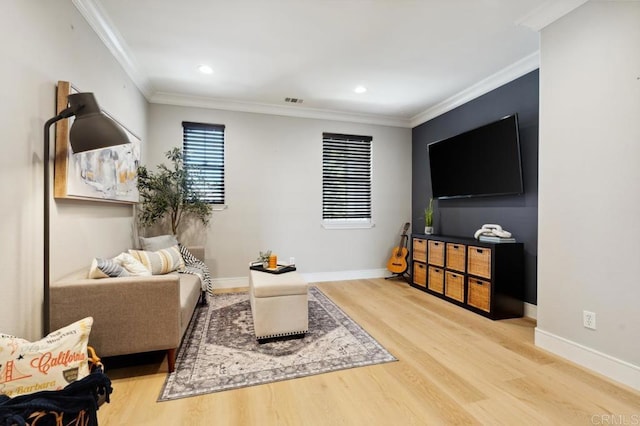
(205, 69)
(360, 89)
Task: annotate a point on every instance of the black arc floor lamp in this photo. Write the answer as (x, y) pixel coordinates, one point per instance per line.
(91, 129)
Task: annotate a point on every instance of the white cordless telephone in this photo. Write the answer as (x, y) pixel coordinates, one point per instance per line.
(492, 230)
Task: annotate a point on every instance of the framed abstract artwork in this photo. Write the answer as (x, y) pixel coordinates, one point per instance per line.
(107, 174)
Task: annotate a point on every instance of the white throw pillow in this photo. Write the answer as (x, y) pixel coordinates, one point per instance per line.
(48, 364)
(132, 265)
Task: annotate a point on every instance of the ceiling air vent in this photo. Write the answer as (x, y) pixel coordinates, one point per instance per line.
(293, 100)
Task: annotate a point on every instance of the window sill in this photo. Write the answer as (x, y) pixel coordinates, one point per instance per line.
(347, 224)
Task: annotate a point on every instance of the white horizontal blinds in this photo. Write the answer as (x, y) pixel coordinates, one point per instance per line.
(346, 176)
(203, 147)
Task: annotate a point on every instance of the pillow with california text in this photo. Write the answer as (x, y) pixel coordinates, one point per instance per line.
(47, 364)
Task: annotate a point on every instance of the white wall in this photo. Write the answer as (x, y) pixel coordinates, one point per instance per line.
(274, 193)
(43, 42)
(589, 194)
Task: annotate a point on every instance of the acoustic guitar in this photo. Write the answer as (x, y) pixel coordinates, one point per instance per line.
(397, 264)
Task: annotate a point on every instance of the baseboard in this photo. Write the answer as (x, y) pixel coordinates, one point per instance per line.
(613, 368)
(233, 282)
(312, 277)
(318, 277)
(530, 310)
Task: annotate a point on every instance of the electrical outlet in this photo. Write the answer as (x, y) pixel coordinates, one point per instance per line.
(292, 261)
(589, 319)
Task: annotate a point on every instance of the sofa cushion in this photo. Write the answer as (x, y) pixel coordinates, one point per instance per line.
(47, 364)
(158, 243)
(160, 262)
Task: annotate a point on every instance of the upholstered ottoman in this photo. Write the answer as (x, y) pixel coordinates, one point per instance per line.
(279, 304)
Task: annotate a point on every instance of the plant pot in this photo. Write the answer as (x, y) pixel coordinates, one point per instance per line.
(428, 230)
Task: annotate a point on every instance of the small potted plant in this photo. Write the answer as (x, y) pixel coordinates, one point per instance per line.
(428, 218)
(264, 258)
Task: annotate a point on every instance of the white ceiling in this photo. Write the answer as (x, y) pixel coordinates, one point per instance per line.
(417, 58)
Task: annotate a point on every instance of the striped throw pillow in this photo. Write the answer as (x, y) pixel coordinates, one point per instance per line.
(105, 268)
(160, 262)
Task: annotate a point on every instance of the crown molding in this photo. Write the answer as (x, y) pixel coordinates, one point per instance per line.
(290, 111)
(502, 77)
(549, 12)
(98, 20)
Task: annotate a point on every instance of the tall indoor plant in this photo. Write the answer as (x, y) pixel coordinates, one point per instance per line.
(170, 193)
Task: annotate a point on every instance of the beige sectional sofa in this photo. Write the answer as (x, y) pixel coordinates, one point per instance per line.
(131, 314)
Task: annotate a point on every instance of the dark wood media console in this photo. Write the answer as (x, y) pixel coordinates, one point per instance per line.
(486, 278)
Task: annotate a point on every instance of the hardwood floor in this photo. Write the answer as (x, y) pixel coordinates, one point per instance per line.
(455, 367)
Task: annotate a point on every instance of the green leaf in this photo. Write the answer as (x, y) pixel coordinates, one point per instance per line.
(168, 193)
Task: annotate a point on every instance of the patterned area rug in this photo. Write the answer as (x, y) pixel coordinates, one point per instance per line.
(220, 351)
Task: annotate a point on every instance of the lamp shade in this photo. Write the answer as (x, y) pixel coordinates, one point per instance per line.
(91, 128)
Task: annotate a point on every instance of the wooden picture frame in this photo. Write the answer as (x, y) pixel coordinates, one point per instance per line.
(108, 174)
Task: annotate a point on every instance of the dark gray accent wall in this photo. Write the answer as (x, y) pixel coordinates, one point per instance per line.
(517, 214)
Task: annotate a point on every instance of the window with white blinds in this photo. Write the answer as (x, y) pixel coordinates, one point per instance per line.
(346, 178)
(203, 149)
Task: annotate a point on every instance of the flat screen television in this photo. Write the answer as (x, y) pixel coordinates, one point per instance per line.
(480, 162)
